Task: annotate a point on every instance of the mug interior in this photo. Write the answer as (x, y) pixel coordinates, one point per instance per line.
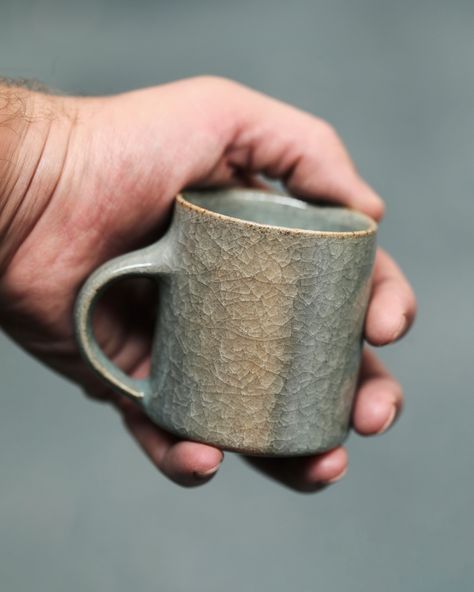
(278, 210)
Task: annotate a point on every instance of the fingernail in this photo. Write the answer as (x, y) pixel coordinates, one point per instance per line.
(338, 477)
(379, 204)
(206, 474)
(401, 328)
(389, 420)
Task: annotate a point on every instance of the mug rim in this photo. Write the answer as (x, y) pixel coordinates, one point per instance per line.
(276, 198)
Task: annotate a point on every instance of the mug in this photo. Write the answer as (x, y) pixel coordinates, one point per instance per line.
(258, 338)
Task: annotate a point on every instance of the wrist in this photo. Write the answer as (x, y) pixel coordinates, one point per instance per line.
(34, 133)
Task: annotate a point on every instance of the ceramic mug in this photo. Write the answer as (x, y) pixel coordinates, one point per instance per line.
(258, 339)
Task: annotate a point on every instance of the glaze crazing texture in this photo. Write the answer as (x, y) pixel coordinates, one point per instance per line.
(258, 339)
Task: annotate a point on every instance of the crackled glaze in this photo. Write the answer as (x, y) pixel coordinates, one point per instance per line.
(259, 332)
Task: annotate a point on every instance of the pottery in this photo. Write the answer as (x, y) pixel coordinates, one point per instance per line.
(258, 340)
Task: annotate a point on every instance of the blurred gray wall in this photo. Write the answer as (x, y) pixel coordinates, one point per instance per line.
(80, 507)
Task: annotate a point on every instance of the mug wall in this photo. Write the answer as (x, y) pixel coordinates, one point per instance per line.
(80, 507)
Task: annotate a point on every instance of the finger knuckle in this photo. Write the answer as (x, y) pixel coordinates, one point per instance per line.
(216, 83)
(327, 130)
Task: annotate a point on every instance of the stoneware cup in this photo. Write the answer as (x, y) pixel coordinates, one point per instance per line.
(262, 299)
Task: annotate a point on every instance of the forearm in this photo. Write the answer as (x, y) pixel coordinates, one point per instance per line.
(33, 141)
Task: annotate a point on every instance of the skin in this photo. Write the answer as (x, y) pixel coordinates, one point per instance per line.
(85, 179)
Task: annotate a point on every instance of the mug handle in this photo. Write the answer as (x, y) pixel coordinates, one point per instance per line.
(149, 262)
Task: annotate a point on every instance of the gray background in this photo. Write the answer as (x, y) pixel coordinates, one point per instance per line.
(80, 507)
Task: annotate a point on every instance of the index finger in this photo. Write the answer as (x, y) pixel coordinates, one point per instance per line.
(303, 151)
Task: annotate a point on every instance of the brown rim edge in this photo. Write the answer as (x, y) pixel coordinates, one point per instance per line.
(182, 201)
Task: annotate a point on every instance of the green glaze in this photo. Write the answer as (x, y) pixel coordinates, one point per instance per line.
(260, 317)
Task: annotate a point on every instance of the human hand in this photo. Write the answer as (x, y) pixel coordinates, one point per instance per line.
(93, 178)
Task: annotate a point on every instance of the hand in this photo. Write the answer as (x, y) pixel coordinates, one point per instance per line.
(103, 184)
